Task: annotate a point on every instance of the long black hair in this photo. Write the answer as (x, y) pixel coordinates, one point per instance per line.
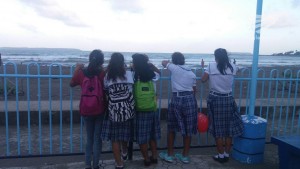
(96, 60)
(142, 68)
(222, 59)
(116, 68)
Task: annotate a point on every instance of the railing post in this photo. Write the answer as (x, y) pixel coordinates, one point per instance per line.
(249, 148)
(255, 57)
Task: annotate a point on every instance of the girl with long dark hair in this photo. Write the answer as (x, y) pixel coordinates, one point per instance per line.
(119, 85)
(224, 118)
(93, 121)
(147, 120)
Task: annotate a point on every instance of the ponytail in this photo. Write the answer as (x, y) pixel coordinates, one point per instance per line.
(96, 59)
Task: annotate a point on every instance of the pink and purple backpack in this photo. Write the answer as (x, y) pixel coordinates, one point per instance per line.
(92, 97)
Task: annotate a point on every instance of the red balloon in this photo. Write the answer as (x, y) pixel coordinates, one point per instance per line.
(202, 122)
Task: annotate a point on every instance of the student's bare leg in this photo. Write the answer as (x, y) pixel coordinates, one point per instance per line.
(171, 137)
(116, 151)
(124, 147)
(228, 143)
(220, 146)
(144, 151)
(153, 146)
(187, 144)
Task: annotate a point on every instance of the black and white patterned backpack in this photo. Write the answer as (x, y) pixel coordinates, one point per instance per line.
(120, 102)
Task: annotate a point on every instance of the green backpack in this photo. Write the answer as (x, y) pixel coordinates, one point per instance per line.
(144, 95)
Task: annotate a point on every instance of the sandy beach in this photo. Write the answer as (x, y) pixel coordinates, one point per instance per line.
(56, 88)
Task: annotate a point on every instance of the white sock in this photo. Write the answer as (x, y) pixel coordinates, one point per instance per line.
(221, 155)
(225, 154)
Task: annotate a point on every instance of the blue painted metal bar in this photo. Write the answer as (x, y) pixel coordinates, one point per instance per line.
(39, 109)
(160, 93)
(35, 76)
(282, 103)
(28, 111)
(295, 100)
(60, 105)
(233, 87)
(6, 114)
(288, 98)
(280, 109)
(60, 112)
(275, 103)
(200, 104)
(201, 91)
(262, 91)
(298, 128)
(255, 57)
(296, 91)
(159, 100)
(17, 109)
(50, 112)
(244, 71)
(248, 102)
(71, 114)
(269, 94)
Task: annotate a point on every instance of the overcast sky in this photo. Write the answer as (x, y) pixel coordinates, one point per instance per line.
(194, 26)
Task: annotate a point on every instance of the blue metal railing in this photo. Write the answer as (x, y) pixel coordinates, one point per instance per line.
(43, 118)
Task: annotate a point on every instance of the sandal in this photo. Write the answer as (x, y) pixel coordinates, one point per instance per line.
(166, 157)
(119, 167)
(153, 161)
(219, 159)
(125, 156)
(147, 163)
(182, 158)
(226, 158)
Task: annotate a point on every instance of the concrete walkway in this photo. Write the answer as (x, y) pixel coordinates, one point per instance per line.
(200, 159)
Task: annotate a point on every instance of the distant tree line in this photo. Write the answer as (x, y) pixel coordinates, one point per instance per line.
(289, 53)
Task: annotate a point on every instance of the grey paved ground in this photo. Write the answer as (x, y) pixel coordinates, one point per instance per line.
(200, 159)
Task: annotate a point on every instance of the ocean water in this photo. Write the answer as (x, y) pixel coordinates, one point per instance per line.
(69, 57)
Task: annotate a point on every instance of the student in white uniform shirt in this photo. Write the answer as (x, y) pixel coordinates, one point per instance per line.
(182, 113)
(224, 118)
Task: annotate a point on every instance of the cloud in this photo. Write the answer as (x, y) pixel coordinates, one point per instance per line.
(280, 20)
(132, 6)
(295, 3)
(28, 27)
(52, 10)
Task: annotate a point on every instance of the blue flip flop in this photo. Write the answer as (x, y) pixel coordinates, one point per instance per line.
(166, 157)
(182, 158)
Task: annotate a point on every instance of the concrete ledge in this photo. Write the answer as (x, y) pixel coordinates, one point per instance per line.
(57, 109)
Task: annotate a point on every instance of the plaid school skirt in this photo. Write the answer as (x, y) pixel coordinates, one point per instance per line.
(224, 117)
(182, 115)
(147, 127)
(117, 131)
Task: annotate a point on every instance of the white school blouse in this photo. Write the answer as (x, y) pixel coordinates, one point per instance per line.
(218, 82)
(182, 77)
